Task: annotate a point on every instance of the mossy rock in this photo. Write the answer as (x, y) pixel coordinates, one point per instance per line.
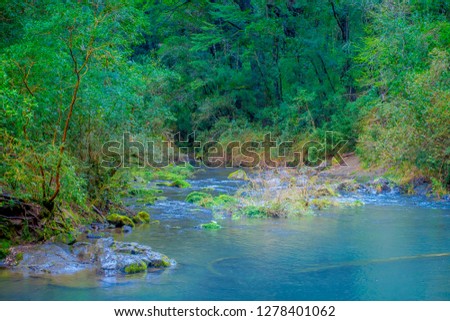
(66, 238)
(180, 183)
(119, 220)
(225, 199)
(213, 225)
(135, 268)
(239, 174)
(141, 217)
(164, 262)
(199, 198)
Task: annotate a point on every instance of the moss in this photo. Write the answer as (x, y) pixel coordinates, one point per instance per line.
(322, 203)
(199, 198)
(180, 183)
(207, 200)
(357, 203)
(135, 268)
(225, 199)
(253, 211)
(325, 190)
(172, 173)
(239, 174)
(119, 220)
(213, 225)
(142, 217)
(164, 262)
(67, 238)
(147, 200)
(167, 184)
(144, 192)
(19, 257)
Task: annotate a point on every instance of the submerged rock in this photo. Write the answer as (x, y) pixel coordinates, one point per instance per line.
(106, 256)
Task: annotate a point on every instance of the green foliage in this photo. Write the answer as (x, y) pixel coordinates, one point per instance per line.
(405, 59)
(4, 249)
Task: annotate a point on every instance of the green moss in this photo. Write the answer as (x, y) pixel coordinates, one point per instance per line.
(135, 268)
(167, 184)
(253, 211)
(141, 217)
(119, 220)
(164, 262)
(211, 226)
(325, 190)
(147, 200)
(239, 174)
(225, 199)
(180, 183)
(322, 203)
(143, 192)
(172, 173)
(19, 257)
(357, 203)
(66, 238)
(207, 200)
(199, 198)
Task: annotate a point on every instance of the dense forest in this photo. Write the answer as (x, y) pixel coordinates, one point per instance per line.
(77, 74)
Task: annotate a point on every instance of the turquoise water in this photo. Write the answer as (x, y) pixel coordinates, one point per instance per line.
(394, 248)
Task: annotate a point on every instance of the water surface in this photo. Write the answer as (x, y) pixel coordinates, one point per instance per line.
(394, 248)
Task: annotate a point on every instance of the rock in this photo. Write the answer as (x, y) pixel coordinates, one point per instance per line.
(141, 217)
(380, 185)
(239, 174)
(98, 235)
(127, 229)
(119, 220)
(105, 256)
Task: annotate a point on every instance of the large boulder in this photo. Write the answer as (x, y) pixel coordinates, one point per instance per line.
(106, 256)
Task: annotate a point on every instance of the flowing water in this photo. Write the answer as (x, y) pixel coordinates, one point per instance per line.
(394, 248)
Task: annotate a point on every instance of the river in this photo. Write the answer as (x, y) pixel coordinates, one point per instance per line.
(393, 248)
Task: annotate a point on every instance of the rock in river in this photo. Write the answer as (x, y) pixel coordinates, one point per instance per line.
(106, 256)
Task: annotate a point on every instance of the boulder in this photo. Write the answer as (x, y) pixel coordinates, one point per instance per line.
(106, 256)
